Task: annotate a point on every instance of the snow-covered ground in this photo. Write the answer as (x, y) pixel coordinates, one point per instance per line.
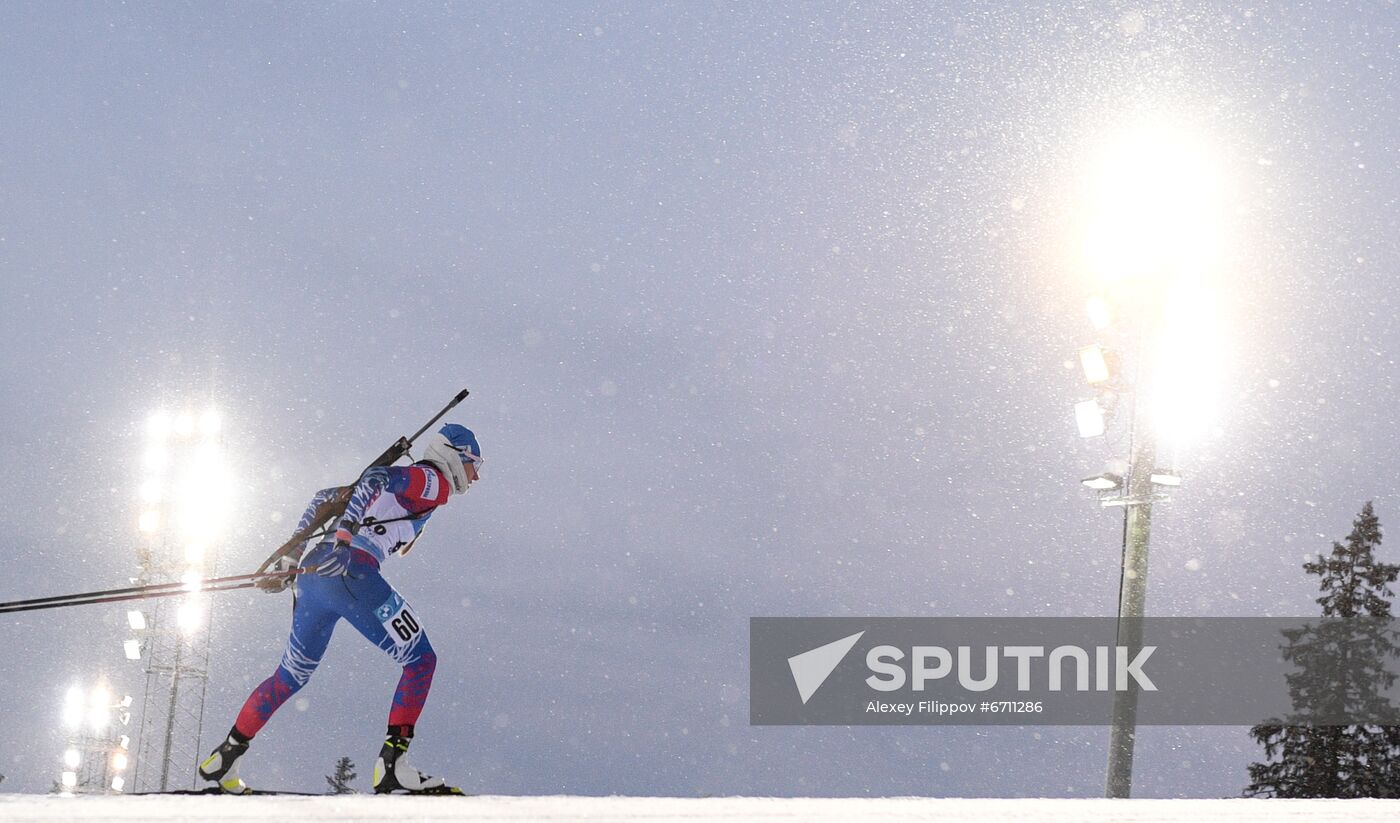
(15, 808)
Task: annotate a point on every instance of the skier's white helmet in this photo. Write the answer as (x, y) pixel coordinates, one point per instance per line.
(454, 450)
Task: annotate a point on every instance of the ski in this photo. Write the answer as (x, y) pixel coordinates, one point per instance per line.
(211, 790)
(444, 791)
(441, 791)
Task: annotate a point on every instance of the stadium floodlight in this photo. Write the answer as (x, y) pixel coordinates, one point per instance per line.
(196, 487)
(71, 758)
(1094, 361)
(70, 779)
(1156, 203)
(158, 426)
(1155, 214)
(149, 522)
(209, 461)
(136, 619)
(202, 505)
(190, 616)
(119, 761)
(125, 702)
(1187, 384)
(100, 709)
(124, 742)
(1088, 416)
(1099, 313)
(151, 492)
(73, 708)
(156, 459)
(210, 422)
(118, 783)
(1105, 482)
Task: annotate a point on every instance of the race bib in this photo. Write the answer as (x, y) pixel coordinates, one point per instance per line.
(399, 621)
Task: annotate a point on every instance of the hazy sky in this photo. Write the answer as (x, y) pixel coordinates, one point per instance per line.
(765, 310)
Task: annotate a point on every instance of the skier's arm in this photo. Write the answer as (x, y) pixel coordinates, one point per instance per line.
(371, 484)
(321, 497)
(288, 561)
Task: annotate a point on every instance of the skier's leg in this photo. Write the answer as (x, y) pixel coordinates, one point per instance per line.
(412, 691)
(313, 621)
(312, 624)
(386, 620)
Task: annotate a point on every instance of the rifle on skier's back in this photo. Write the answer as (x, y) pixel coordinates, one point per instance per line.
(330, 510)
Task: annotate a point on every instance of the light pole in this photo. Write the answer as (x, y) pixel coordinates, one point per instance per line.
(185, 501)
(1135, 490)
(1153, 237)
(97, 754)
(1132, 606)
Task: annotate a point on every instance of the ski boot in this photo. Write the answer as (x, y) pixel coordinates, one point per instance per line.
(393, 773)
(221, 766)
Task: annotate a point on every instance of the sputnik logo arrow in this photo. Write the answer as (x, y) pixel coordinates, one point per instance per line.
(811, 668)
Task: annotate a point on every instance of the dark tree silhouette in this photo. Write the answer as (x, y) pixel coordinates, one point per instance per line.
(1340, 670)
(340, 780)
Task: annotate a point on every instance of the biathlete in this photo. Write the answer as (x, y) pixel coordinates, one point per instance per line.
(384, 515)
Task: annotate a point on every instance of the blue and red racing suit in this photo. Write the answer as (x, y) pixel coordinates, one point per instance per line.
(389, 507)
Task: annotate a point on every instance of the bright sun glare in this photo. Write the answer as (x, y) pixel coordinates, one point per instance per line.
(1153, 237)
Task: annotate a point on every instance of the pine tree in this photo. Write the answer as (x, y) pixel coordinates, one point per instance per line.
(344, 773)
(1311, 760)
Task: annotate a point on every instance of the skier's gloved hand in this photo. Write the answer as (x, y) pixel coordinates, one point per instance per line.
(273, 585)
(337, 560)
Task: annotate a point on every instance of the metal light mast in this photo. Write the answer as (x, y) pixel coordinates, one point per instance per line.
(97, 752)
(1135, 489)
(1153, 238)
(184, 500)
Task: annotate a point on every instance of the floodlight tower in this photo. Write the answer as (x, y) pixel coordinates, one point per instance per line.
(1153, 237)
(184, 506)
(97, 752)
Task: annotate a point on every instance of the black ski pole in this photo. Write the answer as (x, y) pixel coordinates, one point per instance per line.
(122, 598)
(215, 584)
